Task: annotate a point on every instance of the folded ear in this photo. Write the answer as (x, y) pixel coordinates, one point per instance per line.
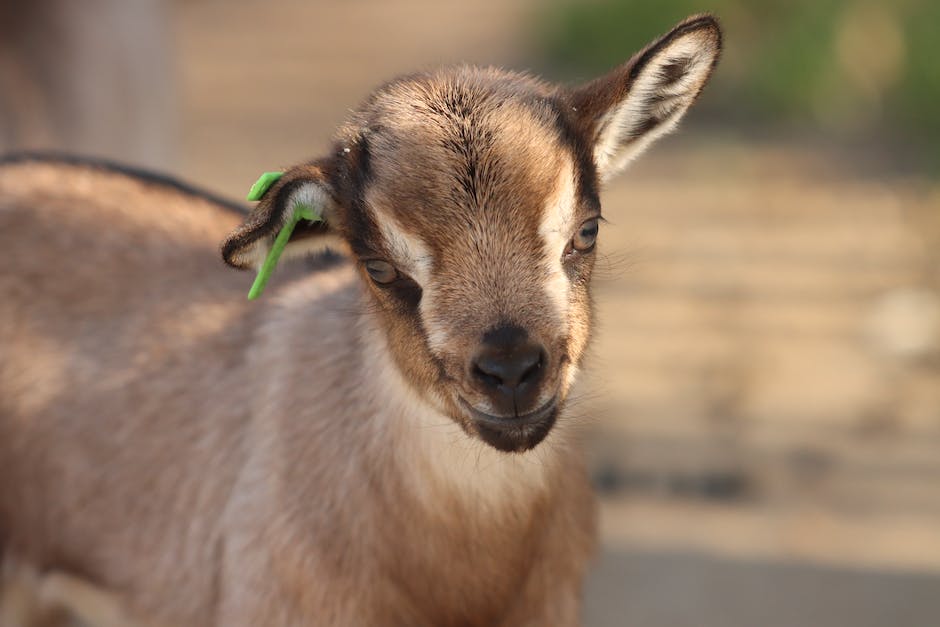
(624, 111)
(303, 186)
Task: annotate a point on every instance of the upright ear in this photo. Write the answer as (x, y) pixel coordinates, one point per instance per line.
(624, 111)
(304, 186)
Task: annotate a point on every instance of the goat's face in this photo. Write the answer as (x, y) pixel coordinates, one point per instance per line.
(469, 198)
(476, 235)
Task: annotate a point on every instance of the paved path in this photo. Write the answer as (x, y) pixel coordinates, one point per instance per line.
(687, 590)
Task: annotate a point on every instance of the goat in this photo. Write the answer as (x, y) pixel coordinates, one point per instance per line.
(382, 439)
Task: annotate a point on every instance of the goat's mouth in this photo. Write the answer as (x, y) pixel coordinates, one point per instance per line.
(514, 434)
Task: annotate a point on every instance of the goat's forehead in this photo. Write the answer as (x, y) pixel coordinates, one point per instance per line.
(452, 164)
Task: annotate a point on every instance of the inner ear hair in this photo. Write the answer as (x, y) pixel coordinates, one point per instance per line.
(304, 185)
(626, 110)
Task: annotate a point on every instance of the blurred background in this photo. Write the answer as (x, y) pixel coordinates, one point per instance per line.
(765, 386)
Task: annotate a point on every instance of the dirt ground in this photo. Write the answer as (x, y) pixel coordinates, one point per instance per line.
(764, 400)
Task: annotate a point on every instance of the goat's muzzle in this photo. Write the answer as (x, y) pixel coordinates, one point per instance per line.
(514, 434)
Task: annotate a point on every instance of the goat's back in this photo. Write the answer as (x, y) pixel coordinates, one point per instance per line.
(120, 329)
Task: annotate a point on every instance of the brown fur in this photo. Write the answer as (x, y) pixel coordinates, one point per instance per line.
(315, 456)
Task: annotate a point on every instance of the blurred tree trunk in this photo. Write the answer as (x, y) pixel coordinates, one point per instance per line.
(90, 77)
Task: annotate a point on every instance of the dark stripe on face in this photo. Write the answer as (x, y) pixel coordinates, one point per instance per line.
(352, 179)
(353, 175)
(581, 153)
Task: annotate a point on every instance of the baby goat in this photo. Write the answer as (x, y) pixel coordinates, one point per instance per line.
(377, 442)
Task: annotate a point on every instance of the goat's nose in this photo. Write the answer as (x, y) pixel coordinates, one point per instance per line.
(508, 368)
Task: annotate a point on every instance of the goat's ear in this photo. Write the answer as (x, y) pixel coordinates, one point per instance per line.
(624, 111)
(301, 186)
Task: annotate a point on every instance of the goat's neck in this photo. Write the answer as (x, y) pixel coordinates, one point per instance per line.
(375, 421)
(436, 454)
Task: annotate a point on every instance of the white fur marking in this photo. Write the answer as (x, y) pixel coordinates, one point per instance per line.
(414, 259)
(408, 252)
(556, 229)
(431, 442)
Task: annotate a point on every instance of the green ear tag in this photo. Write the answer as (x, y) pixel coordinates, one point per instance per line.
(264, 182)
(300, 212)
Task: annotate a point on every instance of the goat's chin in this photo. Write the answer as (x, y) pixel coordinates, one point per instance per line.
(513, 435)
(516, 438)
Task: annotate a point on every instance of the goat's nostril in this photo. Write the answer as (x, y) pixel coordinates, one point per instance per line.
(489, 378)
(533, 370)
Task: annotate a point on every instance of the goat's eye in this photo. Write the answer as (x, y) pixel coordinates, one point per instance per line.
(586, 236)
(381, 271)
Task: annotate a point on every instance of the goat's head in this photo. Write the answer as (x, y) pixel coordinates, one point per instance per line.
(469, 198)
